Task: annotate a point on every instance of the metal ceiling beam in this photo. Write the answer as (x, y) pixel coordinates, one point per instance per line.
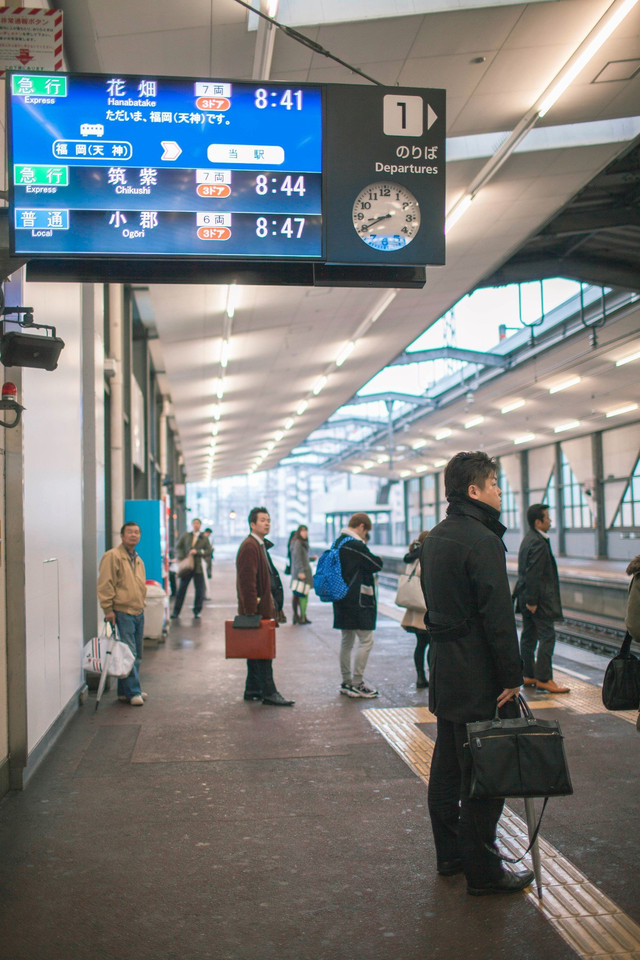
(583, 269)
(451, 353)
(592, 221)
(385, 397)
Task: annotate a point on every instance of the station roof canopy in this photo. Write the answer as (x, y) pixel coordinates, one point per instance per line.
(551, 194)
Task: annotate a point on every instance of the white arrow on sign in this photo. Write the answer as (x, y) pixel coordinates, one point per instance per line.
(171, 150)
(432, 116)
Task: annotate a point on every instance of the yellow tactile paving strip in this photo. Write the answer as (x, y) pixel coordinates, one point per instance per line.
(587, 920)
(584, 698)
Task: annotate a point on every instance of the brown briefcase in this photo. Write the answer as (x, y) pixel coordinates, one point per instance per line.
(256, 644)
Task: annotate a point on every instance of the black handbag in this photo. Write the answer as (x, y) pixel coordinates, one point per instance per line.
(520, 757)
(621, 684)
(247, 621)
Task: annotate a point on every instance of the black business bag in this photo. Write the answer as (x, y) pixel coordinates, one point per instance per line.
(520, 757)
(621, 684)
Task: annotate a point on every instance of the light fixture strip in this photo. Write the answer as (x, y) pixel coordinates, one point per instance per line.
(629, 359)
(571, 382)
(510, 407)
(628, 408)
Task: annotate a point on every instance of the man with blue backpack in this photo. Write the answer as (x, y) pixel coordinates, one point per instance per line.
(345, 577)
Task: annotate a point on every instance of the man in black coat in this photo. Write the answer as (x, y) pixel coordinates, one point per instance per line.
(474, 663)
(356, 613)
(537, 595)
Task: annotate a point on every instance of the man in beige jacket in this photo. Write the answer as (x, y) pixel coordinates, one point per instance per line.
(122, 592)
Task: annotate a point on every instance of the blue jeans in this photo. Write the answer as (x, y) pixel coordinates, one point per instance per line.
(131, 632)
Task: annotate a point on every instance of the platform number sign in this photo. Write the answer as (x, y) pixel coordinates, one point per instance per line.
(403, 116)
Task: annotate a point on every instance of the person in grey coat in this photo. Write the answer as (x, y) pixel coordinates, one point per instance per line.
(537, 594)
(300, 570)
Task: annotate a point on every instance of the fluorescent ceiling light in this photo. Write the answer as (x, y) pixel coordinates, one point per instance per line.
(405, 473)
(231, 300)
(512, 406)
(224, 354)
(439, 463)
(368, 464)
(220, 388)
(383, 459)
(421, 468)
(620, 410)
(419, 444)
(525, 438)
(571, 382)
(356, 470)
(278, 436)
(271, 445)
(457, 211)
(320, 385)
(345, 352)
(629, 359)
(614, 16)
(289, 422)
(571, 425)
(216, 413)
(302, 406)
(443, 434)
(474, 422)
(214, 430)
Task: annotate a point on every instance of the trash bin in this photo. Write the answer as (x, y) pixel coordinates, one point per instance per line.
(155, 612)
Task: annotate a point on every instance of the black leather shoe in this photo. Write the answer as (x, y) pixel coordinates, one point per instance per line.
(196, 616)
(277, 700)
(507, 883)
(448, 868)
(253, 696)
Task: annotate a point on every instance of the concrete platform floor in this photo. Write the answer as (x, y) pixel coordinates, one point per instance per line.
(201, 827)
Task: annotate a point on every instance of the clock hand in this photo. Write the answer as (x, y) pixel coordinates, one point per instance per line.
(372, 223)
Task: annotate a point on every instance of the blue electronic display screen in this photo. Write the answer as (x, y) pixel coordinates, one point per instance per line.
(134, 166)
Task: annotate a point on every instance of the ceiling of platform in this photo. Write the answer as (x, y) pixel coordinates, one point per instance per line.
(495, 61)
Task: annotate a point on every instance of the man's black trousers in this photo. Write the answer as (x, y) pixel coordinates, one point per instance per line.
(461, 827)
(198, 582)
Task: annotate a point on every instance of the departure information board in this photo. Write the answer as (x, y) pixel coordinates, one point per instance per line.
(166, 167)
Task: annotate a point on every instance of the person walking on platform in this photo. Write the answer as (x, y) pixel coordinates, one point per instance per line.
(300, 570)
(474, 665)
(255, 579)
(197, 546)
(537, 595)
(413, 619)
(355, 615)
(122, 592)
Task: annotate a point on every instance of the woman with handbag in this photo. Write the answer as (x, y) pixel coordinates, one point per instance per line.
(301, 575)
(413, 620)
(632, 615)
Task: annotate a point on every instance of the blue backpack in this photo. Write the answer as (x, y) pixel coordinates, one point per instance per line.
(328, 582)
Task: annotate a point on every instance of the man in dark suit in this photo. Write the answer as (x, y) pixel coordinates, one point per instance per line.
(256, 578)
(197, 546)
(537, 595)
(474, 663)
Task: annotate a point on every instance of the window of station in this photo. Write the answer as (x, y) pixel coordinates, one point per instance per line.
(509, 513)
(576, 514)
(429, 502)
(628, 514)
(413, 490)
(381, 519)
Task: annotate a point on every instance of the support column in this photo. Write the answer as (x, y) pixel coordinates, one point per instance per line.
(598, 494)
(116, 307)
(560, 502)
(15, 598)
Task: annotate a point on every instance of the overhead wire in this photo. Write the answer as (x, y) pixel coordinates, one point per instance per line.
(308, 42)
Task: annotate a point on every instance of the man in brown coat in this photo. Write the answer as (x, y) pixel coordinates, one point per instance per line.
(254, 574)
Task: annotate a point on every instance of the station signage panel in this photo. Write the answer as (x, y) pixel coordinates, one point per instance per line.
(143, 168)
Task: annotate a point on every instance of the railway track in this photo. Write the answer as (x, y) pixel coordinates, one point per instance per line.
(596, 634)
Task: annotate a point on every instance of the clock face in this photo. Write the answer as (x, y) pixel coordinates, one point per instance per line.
(386, 216)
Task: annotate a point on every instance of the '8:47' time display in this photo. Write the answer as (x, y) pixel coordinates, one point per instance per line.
(164, 167)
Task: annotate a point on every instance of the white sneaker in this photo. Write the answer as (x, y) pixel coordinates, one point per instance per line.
(362, 690)
(137, 701)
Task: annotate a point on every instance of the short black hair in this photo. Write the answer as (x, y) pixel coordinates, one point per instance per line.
(208, 530)
(130, 523)
(253, 515)
(536, 512)
(467, 468)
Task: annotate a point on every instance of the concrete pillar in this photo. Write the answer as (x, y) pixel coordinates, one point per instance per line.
(116, 306)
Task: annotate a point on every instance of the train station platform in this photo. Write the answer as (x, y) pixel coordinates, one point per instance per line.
(203, 827)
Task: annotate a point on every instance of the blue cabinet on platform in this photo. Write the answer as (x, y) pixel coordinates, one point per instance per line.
(150, 515)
